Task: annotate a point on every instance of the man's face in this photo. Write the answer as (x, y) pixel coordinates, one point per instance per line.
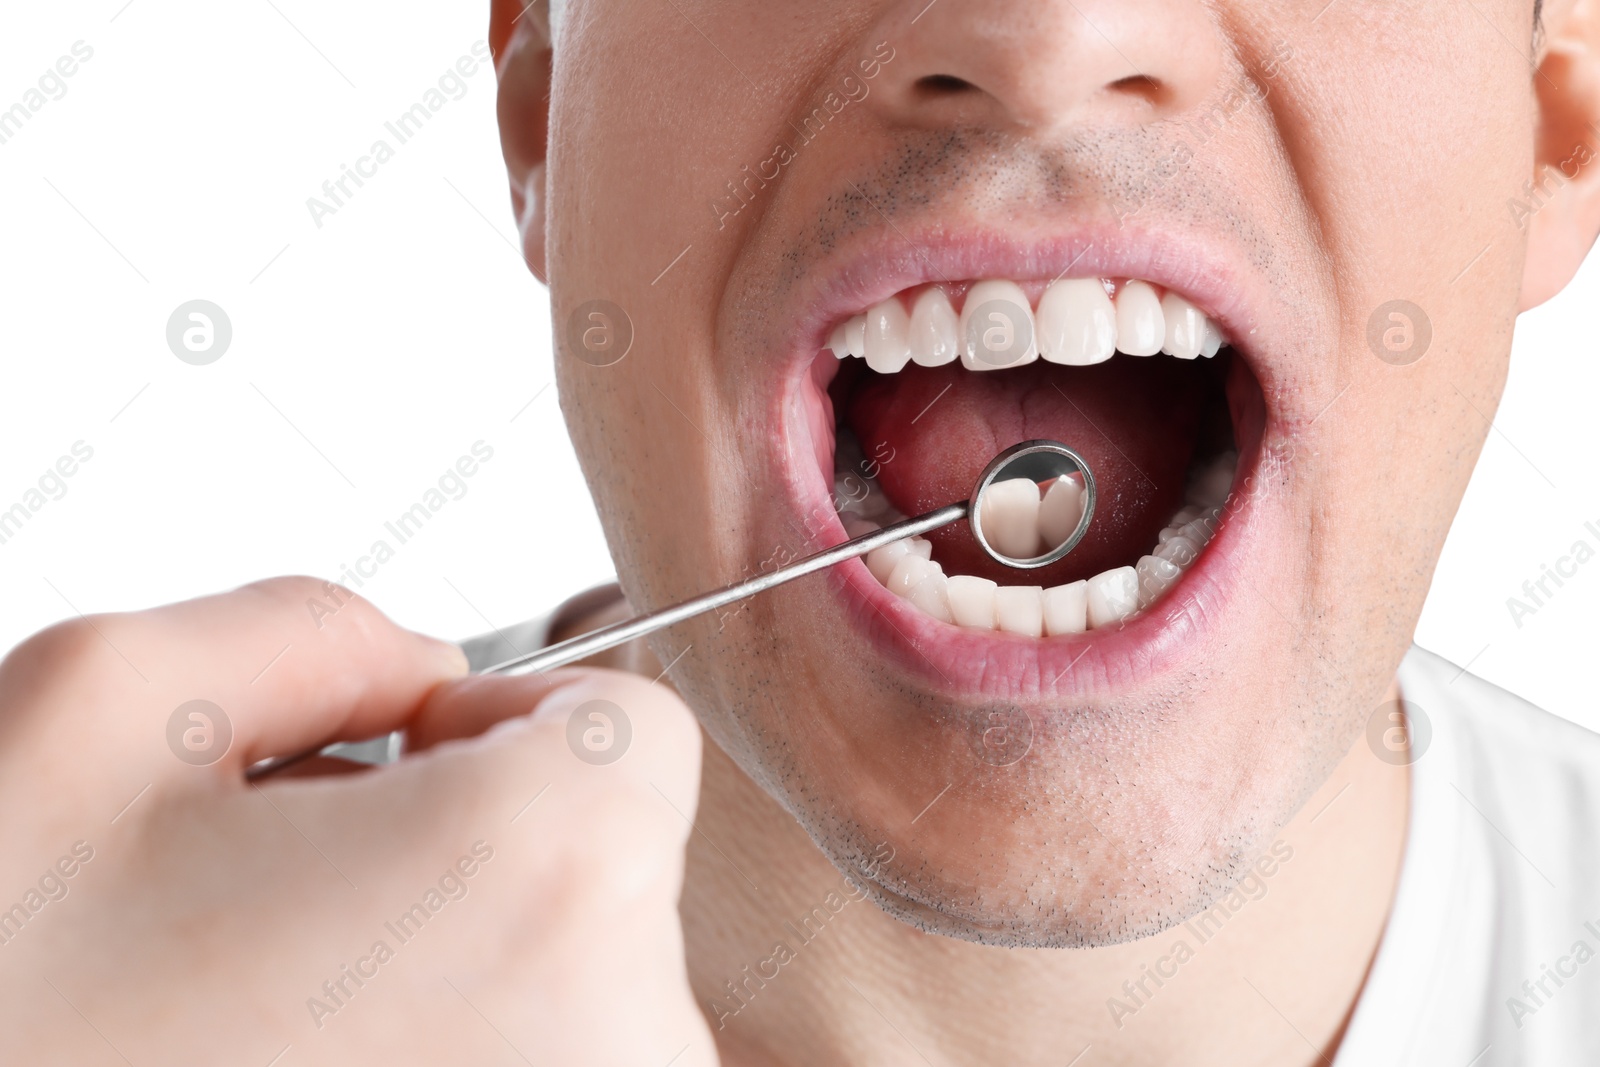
(741, 179)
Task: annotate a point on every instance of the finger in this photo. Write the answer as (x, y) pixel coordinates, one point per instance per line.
(580, 860)
(282, 665)
(600, 747)
(469, 706)
(586, 810)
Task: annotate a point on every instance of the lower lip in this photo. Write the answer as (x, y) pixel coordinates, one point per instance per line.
(995, 665)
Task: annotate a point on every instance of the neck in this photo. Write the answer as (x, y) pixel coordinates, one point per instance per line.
(792, 966)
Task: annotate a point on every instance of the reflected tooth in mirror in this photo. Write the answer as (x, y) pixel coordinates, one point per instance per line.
(1185, 327)
(1066, 608)
(1141, 328)
(1213, 340)
(1156, 576)
(1113, 596)
(996, 326)
(910, 569)
(971, 600)
(881, 560)
(1060, 510)
(1010, 517)
(888, 337)
(931, 595)
(935, 330)
(1077, 324)
(1019, 609)
(855, 336)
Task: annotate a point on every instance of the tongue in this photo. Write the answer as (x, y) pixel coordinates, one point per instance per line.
(1135, 421)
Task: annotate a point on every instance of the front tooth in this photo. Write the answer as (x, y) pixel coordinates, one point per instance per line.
(935, 330)
(910, 569)
(1185, 327)
(881, 560)
(855, 336)
(921, 546)
(1141, 329)
(1113, 596)
(1066, 608)
(1019, 609)
(1010, 517)
(932, 596)
(1077, 324)
(997, 329)
(1213, 341)
(972, 600)
(888, 340)
(1156, 576)
(1060, 511)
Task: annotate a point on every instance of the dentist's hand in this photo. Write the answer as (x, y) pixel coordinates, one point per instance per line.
(502, 895)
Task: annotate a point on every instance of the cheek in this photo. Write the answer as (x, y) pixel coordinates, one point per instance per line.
(636, 170)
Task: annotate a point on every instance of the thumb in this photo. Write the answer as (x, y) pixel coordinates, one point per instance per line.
(581, 731)
(466, 707)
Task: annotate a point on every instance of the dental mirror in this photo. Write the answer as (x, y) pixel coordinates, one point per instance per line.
(1033, 503)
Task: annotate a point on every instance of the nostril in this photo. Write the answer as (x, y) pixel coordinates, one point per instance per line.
(942, 85)
(1141, 85)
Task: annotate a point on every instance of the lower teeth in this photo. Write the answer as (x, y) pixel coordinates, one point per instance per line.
(1109, 598)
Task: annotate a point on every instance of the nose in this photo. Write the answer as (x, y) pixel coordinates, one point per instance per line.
(1043, 65)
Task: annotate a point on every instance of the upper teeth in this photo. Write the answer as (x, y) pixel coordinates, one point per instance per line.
(1078, 322)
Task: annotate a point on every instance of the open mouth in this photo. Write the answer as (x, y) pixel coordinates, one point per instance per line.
(910, 401)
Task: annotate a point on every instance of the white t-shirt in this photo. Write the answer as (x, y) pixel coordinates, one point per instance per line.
(1500, 885)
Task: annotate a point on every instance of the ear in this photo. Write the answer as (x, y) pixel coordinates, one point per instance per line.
(1561, 205)
(519, 35)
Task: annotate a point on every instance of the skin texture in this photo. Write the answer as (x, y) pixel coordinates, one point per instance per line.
(1328, 192)
(1197, 780)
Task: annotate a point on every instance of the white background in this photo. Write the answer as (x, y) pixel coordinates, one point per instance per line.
(370, 353)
